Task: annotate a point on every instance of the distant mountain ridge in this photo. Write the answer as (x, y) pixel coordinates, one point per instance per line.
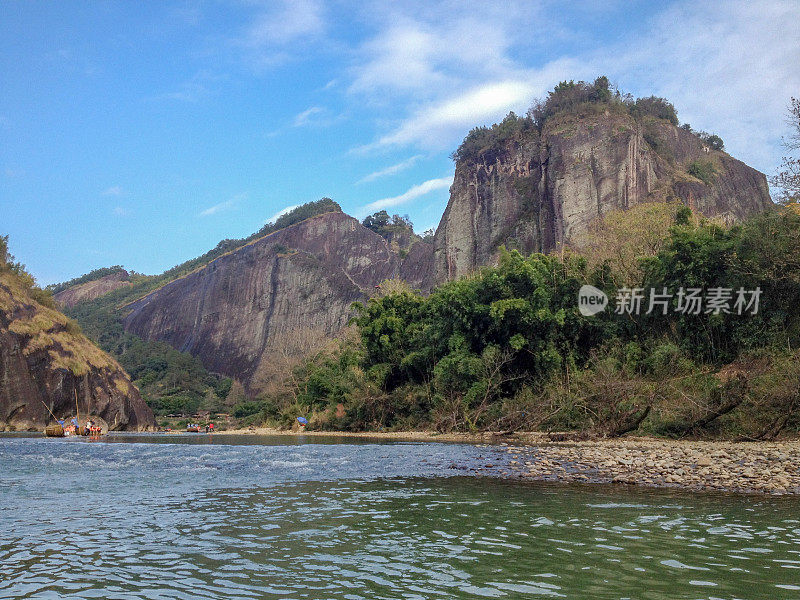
(532, 183)
(93, 288)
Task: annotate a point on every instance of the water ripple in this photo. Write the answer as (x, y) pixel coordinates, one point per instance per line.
(180, 521)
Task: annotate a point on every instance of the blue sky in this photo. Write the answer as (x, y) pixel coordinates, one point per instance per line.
(142, 134)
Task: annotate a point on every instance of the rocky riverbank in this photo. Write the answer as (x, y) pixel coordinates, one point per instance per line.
(743, 467)
(770, 468)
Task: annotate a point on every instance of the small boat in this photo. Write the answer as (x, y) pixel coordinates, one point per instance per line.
(87, 425)
(94, 429)
(56, 430)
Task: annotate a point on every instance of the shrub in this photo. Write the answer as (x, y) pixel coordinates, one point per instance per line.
(657, 144)
(246, 409)
(715, 142)
(43, 297)
(656, 107)
(667, 360)
(73, 327)
(482, 138)
(704, 170)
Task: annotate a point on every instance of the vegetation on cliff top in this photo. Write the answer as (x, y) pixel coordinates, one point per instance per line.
(507, 347)
(573, 98)
(384, 225)
(397, 230)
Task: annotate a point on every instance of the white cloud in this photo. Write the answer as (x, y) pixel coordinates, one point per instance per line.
(200, 86)
(429, 48)
(188, 92)
(453, 78)
(306, 117)
(114, 190)
(399, 59)
(280, 31)
(442, 124)
(122, 212)
(212, 210)
(290, 20)
(412, 193)
(391, 170)
(282, 212)
(434, 124)
(729, 68)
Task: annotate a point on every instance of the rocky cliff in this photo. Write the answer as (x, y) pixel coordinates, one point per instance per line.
(529, 183)
(235, 312)
(45, 361)
(92, 289)
(538, 190)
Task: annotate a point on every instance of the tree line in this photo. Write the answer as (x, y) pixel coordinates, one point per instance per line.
(507, 347)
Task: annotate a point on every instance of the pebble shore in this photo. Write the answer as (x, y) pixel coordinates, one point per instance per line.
(767, 468)
(742, 467)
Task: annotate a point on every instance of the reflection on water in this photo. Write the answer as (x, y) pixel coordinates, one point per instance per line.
(156, 520)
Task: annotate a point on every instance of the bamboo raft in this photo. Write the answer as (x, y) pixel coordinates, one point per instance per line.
(54, 430)
(99, 426)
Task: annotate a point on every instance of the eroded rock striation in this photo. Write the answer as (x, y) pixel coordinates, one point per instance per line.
(539, 190)
(45, 363)
(236, 311)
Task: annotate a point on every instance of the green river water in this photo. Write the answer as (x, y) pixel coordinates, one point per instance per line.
(144, 516)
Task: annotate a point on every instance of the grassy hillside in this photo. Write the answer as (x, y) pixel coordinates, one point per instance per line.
(31, 313)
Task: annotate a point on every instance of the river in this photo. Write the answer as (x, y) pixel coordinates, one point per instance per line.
(245, 517)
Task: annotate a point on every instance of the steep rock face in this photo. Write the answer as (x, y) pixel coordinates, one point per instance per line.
(92, 289)
(44, 364)
(233, 312)
(538, 191)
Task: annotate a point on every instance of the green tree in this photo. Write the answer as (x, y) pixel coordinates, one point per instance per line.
(715, 142)
(376, 221)
(655, 107)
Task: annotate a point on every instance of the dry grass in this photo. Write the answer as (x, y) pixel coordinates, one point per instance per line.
(45, 329)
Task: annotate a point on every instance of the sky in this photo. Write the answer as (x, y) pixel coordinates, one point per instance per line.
(142, 134)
